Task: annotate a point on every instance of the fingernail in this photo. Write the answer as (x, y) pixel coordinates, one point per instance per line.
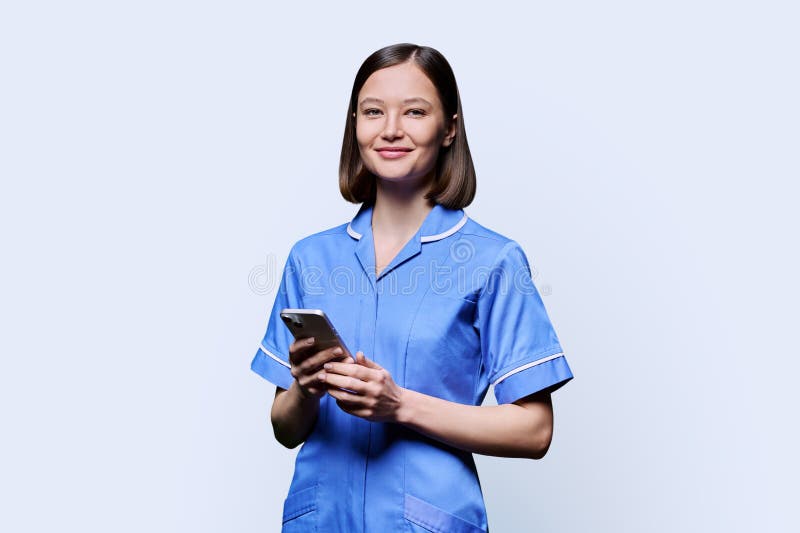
(321, 376)
(310, 340)
(337, 351)
(327, 366)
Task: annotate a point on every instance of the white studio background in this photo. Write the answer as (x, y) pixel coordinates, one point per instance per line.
(155, 155)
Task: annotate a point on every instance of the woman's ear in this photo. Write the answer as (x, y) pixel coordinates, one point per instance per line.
(451, 132)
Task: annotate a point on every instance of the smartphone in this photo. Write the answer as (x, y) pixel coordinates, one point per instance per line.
(304, 323)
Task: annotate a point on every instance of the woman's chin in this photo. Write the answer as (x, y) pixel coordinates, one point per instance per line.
(402, 179)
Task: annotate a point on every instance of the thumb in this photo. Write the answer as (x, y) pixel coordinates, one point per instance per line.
(362, 360)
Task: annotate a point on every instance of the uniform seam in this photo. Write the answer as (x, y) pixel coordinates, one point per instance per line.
(298, 272)
(457, 234)
(341, 229)
(500, 256)
(338, 231)
(503, 240)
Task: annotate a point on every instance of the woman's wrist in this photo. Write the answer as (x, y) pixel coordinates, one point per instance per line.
(405, 409)
(303, 395)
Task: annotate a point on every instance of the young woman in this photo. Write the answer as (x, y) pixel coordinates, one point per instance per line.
(437, 307)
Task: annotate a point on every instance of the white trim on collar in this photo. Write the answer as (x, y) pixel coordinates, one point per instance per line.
(429, 238)
(424, 238)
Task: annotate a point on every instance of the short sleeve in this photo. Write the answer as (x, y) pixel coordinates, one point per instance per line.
(520, 349)
(271, 360)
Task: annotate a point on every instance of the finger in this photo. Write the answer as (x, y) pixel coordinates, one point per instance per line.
(346, 400)
(369, 363)
(301, 344)
(298, 350)
(353, 407)
(347, 407)
(349, 369)
(344, 382)
(314, 362)
(347, 397)
(307, 380)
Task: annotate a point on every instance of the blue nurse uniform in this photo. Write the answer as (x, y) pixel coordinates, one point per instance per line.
(455, 311)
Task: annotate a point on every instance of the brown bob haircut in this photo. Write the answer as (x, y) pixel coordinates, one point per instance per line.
(454, 178)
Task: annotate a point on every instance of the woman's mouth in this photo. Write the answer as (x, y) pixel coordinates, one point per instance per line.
(393, 153)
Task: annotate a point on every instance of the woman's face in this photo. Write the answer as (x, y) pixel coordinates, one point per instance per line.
(400, 124)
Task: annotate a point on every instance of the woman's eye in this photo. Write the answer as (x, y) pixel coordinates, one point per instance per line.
(372, 112)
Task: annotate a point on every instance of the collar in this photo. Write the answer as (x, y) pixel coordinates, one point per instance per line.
(439, 223)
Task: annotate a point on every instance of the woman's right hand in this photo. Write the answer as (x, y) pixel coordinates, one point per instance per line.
(306, 364)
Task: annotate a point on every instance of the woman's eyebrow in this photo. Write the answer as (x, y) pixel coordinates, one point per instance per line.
(415, 100)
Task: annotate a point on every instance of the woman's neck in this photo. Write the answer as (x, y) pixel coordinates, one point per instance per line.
(399, 209)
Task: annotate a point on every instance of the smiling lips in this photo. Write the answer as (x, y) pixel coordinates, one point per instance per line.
(393, 152)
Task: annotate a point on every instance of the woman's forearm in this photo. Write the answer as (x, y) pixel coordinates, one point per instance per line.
(367, 390)
(293, 415)
(509, 430)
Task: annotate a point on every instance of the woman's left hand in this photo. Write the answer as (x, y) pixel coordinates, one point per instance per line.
(375, 396)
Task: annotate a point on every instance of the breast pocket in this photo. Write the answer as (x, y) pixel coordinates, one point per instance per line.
(443, 355)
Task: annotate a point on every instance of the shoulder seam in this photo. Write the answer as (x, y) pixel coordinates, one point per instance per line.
(473, 227)
(500, 256)
(484, 236)
(336, 230)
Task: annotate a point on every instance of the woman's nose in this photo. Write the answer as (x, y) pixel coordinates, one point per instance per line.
(392, 128)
